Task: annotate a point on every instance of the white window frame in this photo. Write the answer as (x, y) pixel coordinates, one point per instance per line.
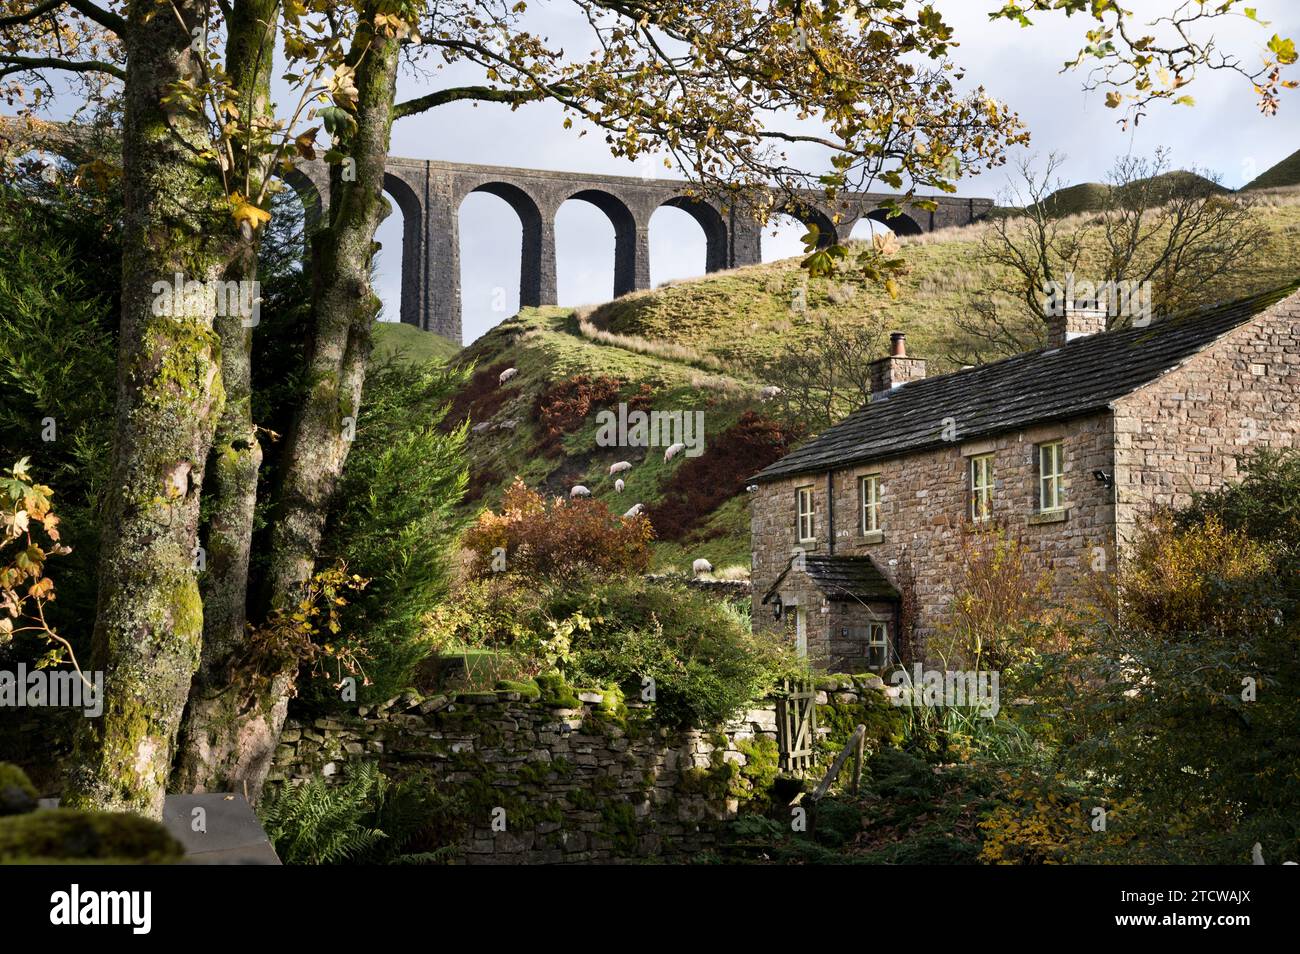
(800, 495)
(981, 487)
(869, 493)
(1051, 476)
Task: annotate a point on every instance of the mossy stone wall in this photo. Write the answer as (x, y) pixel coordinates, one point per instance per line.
(588, 783)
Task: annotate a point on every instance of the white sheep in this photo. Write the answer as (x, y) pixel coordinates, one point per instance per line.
(635, 510)
(673, 450)
(579, 491)
(507, 374)
(769, 392)
(701, 566)
(618, 486)
(618, 468)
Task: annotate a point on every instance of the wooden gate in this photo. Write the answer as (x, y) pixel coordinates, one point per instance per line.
(796, 725)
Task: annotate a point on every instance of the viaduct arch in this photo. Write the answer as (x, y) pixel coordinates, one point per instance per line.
(429, 195)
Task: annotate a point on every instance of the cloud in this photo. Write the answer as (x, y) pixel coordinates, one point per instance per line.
(1224, 133)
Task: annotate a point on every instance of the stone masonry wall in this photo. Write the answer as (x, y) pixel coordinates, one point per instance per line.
(578, 785)
(1185, 432)
(924, 515)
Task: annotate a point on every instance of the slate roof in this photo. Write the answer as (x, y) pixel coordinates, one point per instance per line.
(843, 578)
(1050, 384)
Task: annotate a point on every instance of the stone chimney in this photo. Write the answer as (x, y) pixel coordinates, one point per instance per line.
(1074, 318)
(897, 369)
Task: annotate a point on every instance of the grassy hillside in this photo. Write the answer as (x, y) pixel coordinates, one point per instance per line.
(1072, 200)
(1283, 175)
(730, 320)
(1092, 196)
(694, 345)
(393, 338)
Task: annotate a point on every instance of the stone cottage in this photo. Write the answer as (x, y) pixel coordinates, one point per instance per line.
(859, 535)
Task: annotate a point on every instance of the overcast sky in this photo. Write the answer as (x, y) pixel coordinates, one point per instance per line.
(1224, 132)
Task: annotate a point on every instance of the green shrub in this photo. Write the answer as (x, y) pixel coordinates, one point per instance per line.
(64, 834)
(364, 819)
(17, 793)
(393, 521)
(58, 352)
(705, 665)
(837, 822)
(1186, 705)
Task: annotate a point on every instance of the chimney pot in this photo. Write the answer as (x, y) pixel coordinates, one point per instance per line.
(896, 368)
(1071, 318)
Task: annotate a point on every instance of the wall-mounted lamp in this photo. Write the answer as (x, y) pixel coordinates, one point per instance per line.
(777, 608)
(1103, 478)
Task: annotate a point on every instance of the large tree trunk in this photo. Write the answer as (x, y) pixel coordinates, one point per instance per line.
(207, 759)
(255, 701)
(203, 763)
(149, 619)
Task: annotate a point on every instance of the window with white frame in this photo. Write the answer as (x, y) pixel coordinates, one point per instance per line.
(1051, 482)
(981, 487)
(877, 645)
(804, 524)
(870, 492)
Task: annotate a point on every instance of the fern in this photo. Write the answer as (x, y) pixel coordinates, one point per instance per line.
(365, 819)
(316, 823)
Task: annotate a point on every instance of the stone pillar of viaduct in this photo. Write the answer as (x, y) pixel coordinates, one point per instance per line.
(428, 196)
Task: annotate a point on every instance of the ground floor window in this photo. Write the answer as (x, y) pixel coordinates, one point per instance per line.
(981, 487)
(877, 645)
(1051, 477)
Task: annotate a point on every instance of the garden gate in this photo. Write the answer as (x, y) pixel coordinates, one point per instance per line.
(796, 724)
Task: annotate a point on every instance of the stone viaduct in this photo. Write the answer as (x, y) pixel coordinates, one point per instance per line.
(428, 195)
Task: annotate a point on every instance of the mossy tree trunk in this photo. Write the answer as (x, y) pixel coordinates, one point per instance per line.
(344, 308)
(149, 618)
(203, 763)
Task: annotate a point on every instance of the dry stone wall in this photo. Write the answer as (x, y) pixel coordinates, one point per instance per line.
(589, 783)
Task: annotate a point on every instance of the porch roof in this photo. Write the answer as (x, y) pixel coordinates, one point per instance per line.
(842, 578)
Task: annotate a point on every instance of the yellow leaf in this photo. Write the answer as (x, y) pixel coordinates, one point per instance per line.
(244, 211)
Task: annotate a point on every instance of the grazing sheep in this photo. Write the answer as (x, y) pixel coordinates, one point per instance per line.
(701, 566)
(507, 374)
(769, 392)
(635, 510)
(673, 451)
(618, 486)
(579, 491)
(481, 426)
(618, 468)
